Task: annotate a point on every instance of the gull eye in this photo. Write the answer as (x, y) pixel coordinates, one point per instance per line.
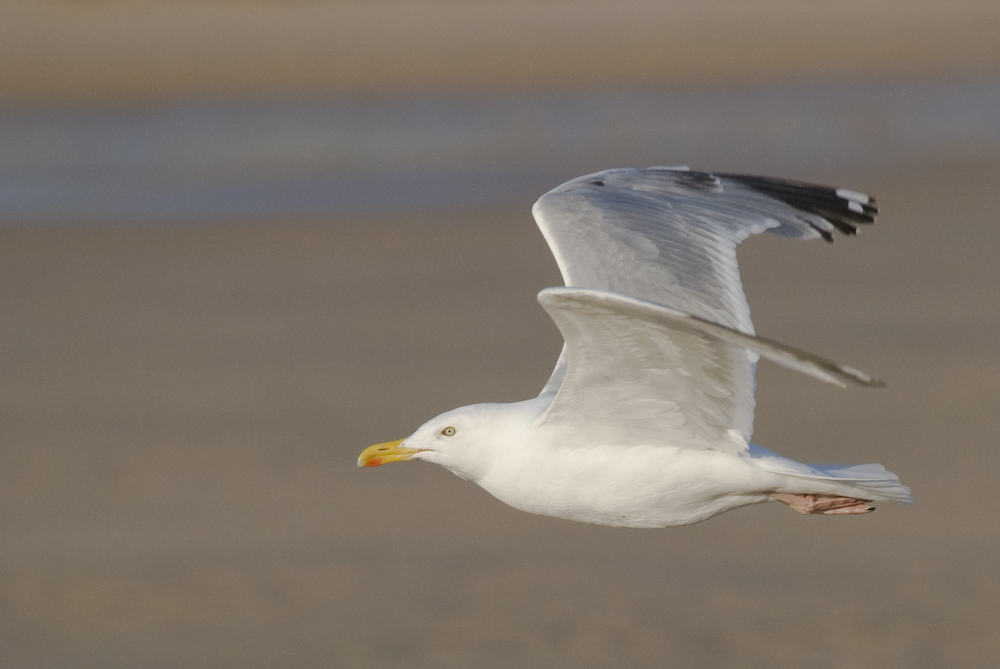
(448, 432)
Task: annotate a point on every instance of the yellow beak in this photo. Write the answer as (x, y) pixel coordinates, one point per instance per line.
(390, 451)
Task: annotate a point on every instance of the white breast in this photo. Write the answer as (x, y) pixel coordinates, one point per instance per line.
(636, 486)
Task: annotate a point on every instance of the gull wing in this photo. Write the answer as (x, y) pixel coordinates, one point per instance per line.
(639, 372)
(669, 235)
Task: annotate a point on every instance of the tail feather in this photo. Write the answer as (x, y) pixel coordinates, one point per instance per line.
(878, 483)
(870, 481)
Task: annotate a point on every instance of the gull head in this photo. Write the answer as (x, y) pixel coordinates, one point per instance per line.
(465, 440)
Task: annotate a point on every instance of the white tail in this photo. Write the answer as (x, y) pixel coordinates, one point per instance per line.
(869, 481)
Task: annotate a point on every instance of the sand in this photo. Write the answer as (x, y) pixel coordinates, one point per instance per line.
(183, 405)
(116, 52)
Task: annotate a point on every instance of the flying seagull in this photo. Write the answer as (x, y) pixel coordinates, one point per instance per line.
(646, 419)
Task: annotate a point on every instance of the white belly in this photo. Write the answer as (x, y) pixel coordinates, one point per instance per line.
(640, 486)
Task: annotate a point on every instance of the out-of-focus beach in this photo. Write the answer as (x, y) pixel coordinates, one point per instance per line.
(149, 50)
(184, 389)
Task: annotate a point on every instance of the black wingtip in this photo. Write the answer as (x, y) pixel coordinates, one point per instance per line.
(843, 209)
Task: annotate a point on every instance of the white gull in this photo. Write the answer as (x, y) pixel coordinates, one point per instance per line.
(647, 417)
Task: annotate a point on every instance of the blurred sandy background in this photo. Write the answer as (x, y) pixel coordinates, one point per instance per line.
(239, 242)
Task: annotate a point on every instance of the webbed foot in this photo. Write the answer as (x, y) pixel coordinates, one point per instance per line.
(827, 505)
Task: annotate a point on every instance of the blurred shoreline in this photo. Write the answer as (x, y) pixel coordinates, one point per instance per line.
(304, 157)
(184, 111)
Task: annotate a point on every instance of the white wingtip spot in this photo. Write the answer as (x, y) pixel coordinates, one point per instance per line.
(855, 206)
(675, 168)
(853, 196)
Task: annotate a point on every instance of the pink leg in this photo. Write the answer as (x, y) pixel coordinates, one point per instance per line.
(828, 505)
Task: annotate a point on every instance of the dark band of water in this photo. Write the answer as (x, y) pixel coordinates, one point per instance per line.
(200, 160)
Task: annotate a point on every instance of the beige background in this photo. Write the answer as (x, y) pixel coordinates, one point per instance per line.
(182, 406)
(102, 52)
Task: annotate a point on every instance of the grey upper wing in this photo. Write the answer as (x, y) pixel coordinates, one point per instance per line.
(669, 235)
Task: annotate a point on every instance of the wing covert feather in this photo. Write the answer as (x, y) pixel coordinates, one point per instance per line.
(630, 379)
(640, 372)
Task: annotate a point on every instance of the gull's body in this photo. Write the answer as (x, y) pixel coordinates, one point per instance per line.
(540, 470)
(646, 419)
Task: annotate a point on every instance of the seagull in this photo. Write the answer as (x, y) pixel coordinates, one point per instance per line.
(647, 418)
